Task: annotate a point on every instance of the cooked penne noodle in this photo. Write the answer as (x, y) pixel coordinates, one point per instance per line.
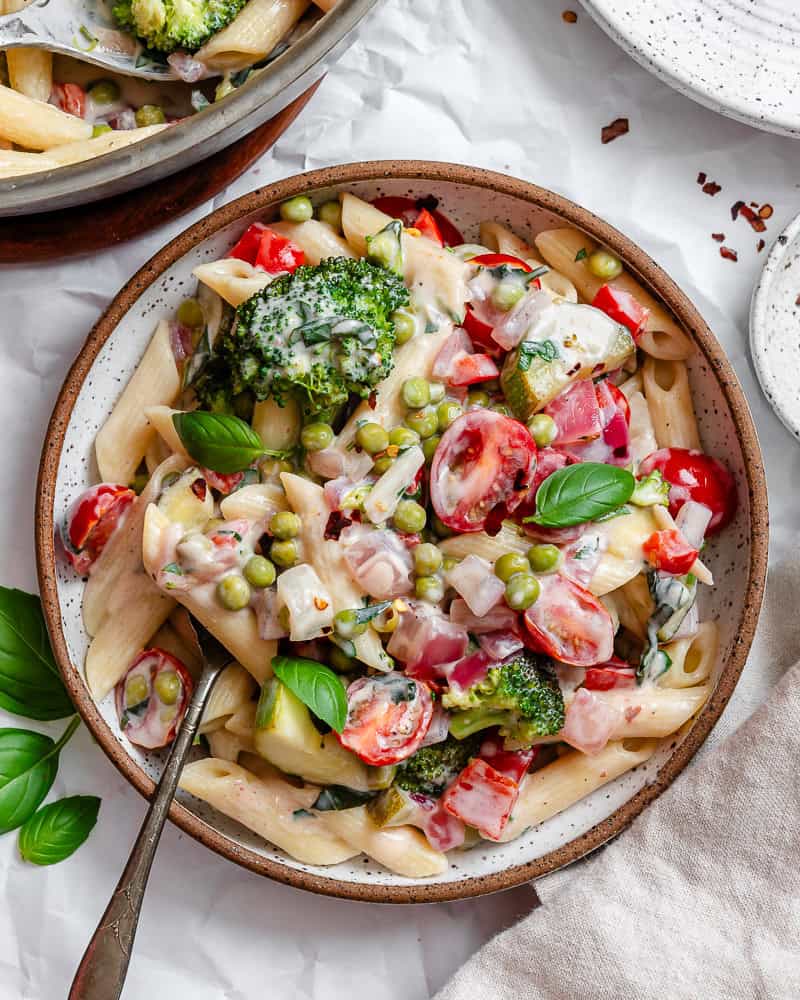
(636, 605)
(401, 849)
(277, 426)
(667, 523)
(257, 502)
(666, 389)
(233, 279)
(159, 419)
(316, 239)
(500, 239)
(77, 152)
(252, 34)
(224, 745)
(623, 555)
(270, 807)
(14, 163)
(490, 547)
(36, 124)
(123, 439)
(693, 658)
(233, 688)
(652, 712)
(661, 338)
(30, 71)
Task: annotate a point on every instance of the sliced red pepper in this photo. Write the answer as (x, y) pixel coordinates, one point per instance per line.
(471, 368)
(616, 673)
(482, 797)
(249, 242)
(408, 210)
(426, 224)
(513, 764)
(480, 332)
(669, 552)
(276, 253)
(622, 307)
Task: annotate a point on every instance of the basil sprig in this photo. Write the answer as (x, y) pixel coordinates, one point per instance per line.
(580, 493)
(218, 441)
(30, 684)
(59, 829)
(316, 685)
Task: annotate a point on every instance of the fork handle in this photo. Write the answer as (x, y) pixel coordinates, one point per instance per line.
(104, 966)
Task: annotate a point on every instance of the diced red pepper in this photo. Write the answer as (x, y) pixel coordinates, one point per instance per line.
(249, 242)
(408, 211)
(496, 259)
(622, 307)
(71, 98)
(426, 224)
(669, 552)
(471, 368)
(620, 399)
(616, 673)
(513, 764)
(479, 331)
(263, 247)
(482, 797)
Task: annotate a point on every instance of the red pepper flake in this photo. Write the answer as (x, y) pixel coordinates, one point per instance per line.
(760, 246)
(373, 399)
(337, 522)
(569, 16)
(613, 131)
(631, 712)
(728, 254)
(797, 301)
(753, 204)
(765, 212)
(719, 237)
(320, 603)
(702, 177)
(739, 208)
(198, 487)
(712, 188)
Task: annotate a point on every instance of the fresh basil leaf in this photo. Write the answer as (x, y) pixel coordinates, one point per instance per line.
(27, 771)
(316, 685)
(30, 684)
(218, 441)
(58, 830)
(530, 349)
(580, 493)
(336, 797)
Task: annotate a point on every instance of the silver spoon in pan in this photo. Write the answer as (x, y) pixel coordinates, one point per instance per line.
(84, 29)
(104, 966)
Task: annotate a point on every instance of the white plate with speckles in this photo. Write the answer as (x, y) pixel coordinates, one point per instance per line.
(775, 327)
(737, 57)
(467, 195)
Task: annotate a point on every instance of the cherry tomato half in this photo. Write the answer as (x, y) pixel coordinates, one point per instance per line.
(669, 552)
(693, 475)
(622, 307)
(426, 224)
(484, 459)
(569, 623)
(607, 676)
(264, 248)
(408, 210)
(92, 520)
(152, 698)
(387, 718)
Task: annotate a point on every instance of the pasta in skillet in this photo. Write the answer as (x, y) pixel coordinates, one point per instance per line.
(55, 110)
(430, 479)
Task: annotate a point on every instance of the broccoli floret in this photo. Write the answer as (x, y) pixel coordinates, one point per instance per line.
(651, 490)
(319, 335)
(166, 25)
(431, 769)
(521, 696)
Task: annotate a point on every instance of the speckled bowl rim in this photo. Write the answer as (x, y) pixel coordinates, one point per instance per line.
(714, 99)
(652, 274)
(759, 331)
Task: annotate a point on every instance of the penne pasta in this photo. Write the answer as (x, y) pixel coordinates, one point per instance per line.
(252, 34)
(510, 538)
(316, 239)
(123, 440)
(500, 239)
(277, 426)
(30, 71)
(232, 279)
(693, 658)
(669, 398)
(623, 555)
(401, 849)
(254, 503)
(224, 745)
(652, 712)
(561, 249)
(88, 149)
(159, 419)
(36, 124)
(233, 688)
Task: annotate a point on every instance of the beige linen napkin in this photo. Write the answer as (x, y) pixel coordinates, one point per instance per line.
(699, 900)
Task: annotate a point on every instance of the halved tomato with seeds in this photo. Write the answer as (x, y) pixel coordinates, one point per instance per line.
(92, 520)
(569, 623)
(387, 718)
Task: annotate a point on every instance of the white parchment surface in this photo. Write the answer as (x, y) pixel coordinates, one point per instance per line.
(505, 84)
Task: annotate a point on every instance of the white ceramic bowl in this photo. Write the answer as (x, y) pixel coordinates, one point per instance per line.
(467, 195)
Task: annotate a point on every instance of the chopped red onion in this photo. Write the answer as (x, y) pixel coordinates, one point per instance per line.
(378, 561)
(457, 345)
(589, 722)
(500, 617)
(186, 68)
(425, 639)
(500, 644)
(692, 520)
(473, 578)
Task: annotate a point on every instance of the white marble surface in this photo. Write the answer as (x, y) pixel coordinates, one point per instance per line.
(499, 83)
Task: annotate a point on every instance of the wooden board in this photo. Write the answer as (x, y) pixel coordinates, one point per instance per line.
(101, 224)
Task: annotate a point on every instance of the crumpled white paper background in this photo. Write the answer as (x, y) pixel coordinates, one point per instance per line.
(505, 84)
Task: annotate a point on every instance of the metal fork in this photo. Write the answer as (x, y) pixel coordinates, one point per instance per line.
(104, 966)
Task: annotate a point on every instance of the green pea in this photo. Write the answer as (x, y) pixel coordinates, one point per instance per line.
(315, 437)
(405, 326)
(416, 392)
(136, 691)
(507, 294)
(446, 413)
(284, 553)
(543, 429)
(190, 313)
(425, 421)
(403, 437)
(604, 265)
(297, 209)
(382, 464)
(331, 212)
(501, 408)
(427, 559)
(150, 114)
(338, 659)
(544, 558)
(522, 590)
(100, 129)
(259, 572)
(510, 564)
(429, 588)
(233, 592)
(347, 625)
(104, 92)
(437, 390)
(284, 525)
(409, 517)
(441, 528)
(372, 438)
(429, 446)
(168, 686)
(478, 398)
